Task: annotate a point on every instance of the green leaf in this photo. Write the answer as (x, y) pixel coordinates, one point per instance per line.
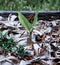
(25, 23)
(35, 20)
(0, 34)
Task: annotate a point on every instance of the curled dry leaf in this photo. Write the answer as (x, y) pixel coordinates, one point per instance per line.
(12, 17)
(3, 58)
(1, 18)
(24, 62)
(36, 48)
(6, 63)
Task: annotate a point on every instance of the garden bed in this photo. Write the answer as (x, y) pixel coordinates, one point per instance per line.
(44, 49)
(43, 15)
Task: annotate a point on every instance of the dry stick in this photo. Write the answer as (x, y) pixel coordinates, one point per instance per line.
(30, 17)
(22, 34)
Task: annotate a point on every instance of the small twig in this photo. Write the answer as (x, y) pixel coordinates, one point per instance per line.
(22, 34)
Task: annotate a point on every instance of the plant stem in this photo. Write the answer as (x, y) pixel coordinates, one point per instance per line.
(30, 35)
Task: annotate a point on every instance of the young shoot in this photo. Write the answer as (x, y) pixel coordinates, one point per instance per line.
(25, 23)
